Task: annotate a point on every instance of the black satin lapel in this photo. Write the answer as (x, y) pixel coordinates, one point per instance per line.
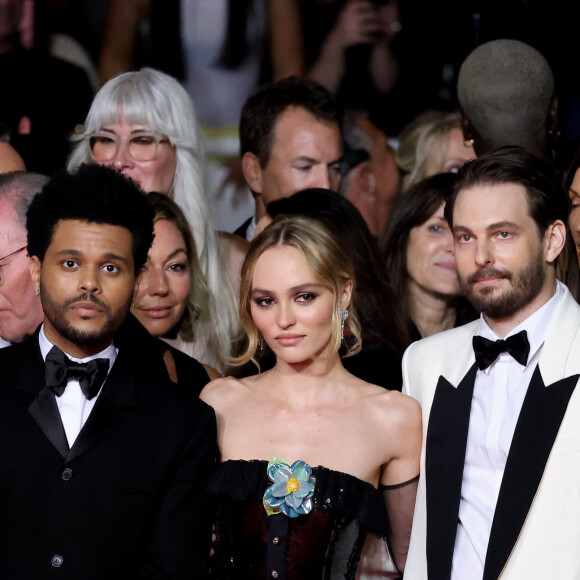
(44, 410)
(444, 459)
(534, 436)
(100, 423)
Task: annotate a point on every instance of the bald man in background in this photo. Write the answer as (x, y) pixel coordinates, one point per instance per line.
(20, 308)
(10, 160)
(507, 96)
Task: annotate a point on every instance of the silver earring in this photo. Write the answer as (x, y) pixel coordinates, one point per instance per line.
(343, 317)
(261, 344)
(37, 292)
(468, 142)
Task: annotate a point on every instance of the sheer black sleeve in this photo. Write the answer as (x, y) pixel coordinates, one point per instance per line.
(400, 502)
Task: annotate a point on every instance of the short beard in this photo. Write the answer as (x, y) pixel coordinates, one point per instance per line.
(55, 314)
(527, 283)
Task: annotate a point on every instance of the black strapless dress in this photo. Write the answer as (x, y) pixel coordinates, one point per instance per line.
(324, 544)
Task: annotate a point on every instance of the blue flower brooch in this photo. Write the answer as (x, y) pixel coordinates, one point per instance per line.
(291, 490)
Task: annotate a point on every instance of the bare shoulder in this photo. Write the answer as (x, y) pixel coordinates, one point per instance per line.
(390, 411)
(223, 391)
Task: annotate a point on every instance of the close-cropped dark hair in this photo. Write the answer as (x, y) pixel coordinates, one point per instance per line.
(95, 194)
(374, 300)
(411, 209)
(546, 198)
(261, 111)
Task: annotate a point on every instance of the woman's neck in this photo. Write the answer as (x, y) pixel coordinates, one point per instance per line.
(430, 312)
(312, 379)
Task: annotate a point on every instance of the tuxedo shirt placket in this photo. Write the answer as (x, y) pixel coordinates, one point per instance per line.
(498, 396)
(74, 408)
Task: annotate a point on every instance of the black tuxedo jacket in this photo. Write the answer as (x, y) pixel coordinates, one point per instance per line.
(127, 500)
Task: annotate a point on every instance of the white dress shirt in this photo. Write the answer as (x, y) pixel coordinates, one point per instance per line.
(73, 406)
(498, 396)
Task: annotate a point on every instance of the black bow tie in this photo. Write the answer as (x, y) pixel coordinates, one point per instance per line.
(59, 370)
(487, 351)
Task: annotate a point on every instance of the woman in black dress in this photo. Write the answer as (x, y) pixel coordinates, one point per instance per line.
(314, 461)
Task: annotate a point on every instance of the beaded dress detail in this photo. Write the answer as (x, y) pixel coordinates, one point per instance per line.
(323, 544)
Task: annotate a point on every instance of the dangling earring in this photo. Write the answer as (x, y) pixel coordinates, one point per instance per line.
(343, 317)
(468, 142)
(261, 344)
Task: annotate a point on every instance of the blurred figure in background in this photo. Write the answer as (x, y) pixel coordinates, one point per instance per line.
(217, 50)
(507, 97)
(432, 143)
(348, 46)
(20, 308)
(144, 125)
(418, 249)
(289, 140)
(10, 160)
(370, 178)
(172, 296)
(43, 98)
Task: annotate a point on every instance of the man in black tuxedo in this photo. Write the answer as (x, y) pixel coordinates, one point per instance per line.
(103, 461)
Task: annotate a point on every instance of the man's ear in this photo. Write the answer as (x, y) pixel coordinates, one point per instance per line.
(466, 127)
(35, 266)
(553, 115)
(554, 240)
(252, 171)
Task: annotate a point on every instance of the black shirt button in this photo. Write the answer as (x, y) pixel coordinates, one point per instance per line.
(67, 474)
(56, 561)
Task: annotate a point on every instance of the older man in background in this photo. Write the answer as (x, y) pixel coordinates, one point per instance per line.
(20, 309)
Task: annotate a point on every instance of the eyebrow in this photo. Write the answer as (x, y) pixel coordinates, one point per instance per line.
(306, 159)
(133, 131)
(175, 253)
(494, 226)
(300, 287)
(106, 255)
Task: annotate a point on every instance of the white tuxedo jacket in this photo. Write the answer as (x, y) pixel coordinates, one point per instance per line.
(536, 527)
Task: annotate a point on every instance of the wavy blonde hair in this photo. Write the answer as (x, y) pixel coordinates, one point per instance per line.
(424, 138)
(326, 258)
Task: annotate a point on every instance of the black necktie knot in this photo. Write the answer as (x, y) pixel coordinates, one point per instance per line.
(59, 369)
(487, 351)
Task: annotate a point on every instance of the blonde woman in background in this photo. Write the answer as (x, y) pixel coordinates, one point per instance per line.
(432, 143)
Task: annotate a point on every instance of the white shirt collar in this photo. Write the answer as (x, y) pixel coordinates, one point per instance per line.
(251, 230)
(535, 325)
(45, 345)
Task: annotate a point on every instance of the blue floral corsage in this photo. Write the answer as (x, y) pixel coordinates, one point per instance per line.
(292, 488)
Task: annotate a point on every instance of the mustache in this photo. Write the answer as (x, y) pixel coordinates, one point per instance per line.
(86, 297)
(484, 273)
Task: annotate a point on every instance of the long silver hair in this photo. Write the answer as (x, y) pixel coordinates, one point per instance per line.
(157, 100)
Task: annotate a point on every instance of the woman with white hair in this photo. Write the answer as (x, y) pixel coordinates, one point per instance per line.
(144, 124)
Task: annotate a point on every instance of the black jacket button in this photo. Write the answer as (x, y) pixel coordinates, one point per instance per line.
(56, 561)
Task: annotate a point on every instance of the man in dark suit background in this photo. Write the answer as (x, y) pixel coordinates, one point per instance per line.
(103, 462)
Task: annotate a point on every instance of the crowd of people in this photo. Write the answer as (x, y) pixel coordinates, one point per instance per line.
(370, 374)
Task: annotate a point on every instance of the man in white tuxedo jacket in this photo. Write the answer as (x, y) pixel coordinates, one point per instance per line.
(499, 494)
